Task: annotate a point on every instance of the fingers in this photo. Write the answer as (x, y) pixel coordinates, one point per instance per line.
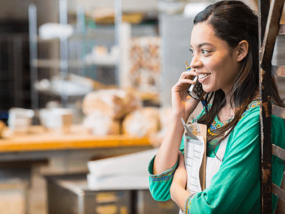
(188, 81)
(184, 83)
(182, 86)
(188, 75)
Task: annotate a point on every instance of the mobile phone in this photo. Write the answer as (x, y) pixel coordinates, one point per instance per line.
(195, 90)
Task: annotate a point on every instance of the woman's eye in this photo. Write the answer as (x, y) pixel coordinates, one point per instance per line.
(205, 51)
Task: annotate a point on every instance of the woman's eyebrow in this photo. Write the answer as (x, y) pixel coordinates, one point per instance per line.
(202, 44)
(205, 43)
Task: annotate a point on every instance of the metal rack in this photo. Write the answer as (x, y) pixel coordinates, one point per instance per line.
(64, 63)
(269, 28)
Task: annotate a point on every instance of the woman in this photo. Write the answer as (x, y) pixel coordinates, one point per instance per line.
(224, 43)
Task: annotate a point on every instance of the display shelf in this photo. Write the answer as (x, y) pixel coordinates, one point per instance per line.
(73, 37)
(103, 61)
(56, 63)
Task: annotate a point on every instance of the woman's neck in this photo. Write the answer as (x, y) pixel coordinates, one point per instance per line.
(228, 111)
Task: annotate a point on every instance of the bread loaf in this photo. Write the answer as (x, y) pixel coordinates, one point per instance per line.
(115, 103)
(100, 124)
(142, 122)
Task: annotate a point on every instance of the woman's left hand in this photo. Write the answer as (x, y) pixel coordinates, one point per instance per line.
(180, 176)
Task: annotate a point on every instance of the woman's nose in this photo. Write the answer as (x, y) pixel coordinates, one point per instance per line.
(195, 62)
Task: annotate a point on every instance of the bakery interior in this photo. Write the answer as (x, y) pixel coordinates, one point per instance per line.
(84, 101)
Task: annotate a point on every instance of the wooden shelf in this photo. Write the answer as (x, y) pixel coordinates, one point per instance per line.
(39, 139)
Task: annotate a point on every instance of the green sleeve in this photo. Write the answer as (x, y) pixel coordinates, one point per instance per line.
(159, 185)
(235, 188)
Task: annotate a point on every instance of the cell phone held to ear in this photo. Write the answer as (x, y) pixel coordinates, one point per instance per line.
(195, 90)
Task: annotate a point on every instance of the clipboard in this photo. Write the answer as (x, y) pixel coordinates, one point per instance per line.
(202, 174)
(195, 145)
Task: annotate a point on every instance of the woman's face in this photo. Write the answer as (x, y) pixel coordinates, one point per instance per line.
(214, 61)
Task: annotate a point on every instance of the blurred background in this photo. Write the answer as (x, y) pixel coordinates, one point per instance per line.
(84, 100)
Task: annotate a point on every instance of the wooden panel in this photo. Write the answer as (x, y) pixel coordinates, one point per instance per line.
(280, 193)
(278, 111)
(271, 31)
(282, 29)
(279, 152)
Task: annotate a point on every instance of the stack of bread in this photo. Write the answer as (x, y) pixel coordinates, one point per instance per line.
(142, 122)
(118, 111)
(157, 137)
(105, 109)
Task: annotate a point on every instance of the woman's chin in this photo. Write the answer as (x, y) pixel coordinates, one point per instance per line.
(207, 89)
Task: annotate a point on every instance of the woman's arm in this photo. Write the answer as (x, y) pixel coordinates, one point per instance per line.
(182, 107)
(168, 151)
(177, 190)
(164, 164)
(179, 195)
(159, 184)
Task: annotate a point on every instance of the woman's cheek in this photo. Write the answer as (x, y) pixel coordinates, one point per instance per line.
(210, 64)
(211, 85)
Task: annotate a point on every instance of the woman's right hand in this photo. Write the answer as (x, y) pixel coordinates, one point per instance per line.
(182, 107)
(182, 104)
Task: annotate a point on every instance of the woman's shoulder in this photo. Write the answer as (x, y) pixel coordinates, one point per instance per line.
(249, 119)
(249, 124)
(253, 107)
(252, 115)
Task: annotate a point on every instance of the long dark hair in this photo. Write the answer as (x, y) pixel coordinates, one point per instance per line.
(233, 21)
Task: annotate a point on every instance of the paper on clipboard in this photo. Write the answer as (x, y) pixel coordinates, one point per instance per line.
(188, 130)
(195, 158)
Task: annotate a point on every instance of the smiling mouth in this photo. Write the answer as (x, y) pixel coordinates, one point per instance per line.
(202, 76)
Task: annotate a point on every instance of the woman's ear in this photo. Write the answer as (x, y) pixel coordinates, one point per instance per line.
(242, 50)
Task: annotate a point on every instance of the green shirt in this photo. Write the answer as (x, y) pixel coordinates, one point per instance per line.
(236, 186)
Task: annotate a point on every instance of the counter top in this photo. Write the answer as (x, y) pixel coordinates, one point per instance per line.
(39, 139)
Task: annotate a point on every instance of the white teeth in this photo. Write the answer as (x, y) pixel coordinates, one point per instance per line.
(203, 75)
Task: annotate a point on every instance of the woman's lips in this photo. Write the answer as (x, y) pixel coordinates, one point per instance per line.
(203, 77)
